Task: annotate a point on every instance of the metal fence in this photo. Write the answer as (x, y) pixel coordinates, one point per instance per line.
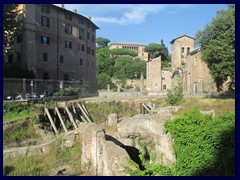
(14, 86)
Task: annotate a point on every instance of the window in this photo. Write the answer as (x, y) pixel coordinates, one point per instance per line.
(188, 50)
(164, 86)
(81, 21)
(61, 59)
(81, 33)
(68, 44)
(66, 77)
(45, 9)
(182, 50)
(81, 61)
(163, 78)
(45, 21)
(68, 17)
(19, 38)
(45, 76)
(19, 58)
(93, 52)
(80, 47)
(10, 58)
(44, 40)
(93, 38)
(88, 50)
(88, 25)
(88, 35)
(45, 57)
(68, 28)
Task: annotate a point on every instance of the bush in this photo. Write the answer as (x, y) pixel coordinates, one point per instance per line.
(68, 92)
(175, 95)
(204, 146)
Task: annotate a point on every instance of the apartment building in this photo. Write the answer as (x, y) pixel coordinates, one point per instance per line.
(139, 48)
(56, 44)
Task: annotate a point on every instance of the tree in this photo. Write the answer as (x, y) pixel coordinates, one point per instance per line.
(217, 42)
(153, 50)
(122, 52)
(104, 62)
(12, 25)
(164, 52)
(102, 42)
(103, 80)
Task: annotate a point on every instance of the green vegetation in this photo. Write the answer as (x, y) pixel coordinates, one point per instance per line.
(150, 168)
(217, 43)
(203, 145)
(43, 165)
(69, 92)
(101, 111)
(175, 95)
(11, 24)
(13, 111)
(102, 42)
(20, 132)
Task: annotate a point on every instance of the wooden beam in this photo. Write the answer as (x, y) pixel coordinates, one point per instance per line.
(146, 107)
(51, 120)
(84, 113)
(71, 117)
(61, 120)
(85, 109)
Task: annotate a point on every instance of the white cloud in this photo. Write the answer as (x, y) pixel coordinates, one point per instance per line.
(121, 14)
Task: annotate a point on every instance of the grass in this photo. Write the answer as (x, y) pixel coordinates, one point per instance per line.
(14, 111)
(205, 104)
(20, 132)
(45, 164)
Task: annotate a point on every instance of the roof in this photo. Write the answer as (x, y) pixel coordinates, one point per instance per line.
(181, 37)
(194, 51)
(75, 14)
(127, 43)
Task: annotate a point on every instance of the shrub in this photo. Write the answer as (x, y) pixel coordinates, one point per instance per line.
(175, 95)
(203, 145)
(68, 92)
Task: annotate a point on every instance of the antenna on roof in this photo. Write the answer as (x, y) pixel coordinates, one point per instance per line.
(62, 6)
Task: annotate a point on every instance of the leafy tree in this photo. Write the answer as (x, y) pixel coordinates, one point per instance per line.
(153, 50)
(102, 42)
(217, 42)
(126, 68)
(11, 25)
(104, 62)
(103, 80)
(164, 52)
(122, 52)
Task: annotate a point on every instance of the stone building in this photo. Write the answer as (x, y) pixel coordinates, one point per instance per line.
(139, 48)
(57, 44)
(186, 66)
(189, 68)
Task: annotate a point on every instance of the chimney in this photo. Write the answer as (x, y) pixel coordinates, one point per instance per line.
(62, 6)
(75, 10)
(89, 18)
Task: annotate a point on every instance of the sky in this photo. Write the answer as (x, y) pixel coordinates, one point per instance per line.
(147, 23)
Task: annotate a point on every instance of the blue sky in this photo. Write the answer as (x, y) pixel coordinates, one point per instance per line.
(147, 23)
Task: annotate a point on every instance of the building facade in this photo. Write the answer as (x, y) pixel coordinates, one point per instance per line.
(139, 48)
(188, 67)
(57, 44)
